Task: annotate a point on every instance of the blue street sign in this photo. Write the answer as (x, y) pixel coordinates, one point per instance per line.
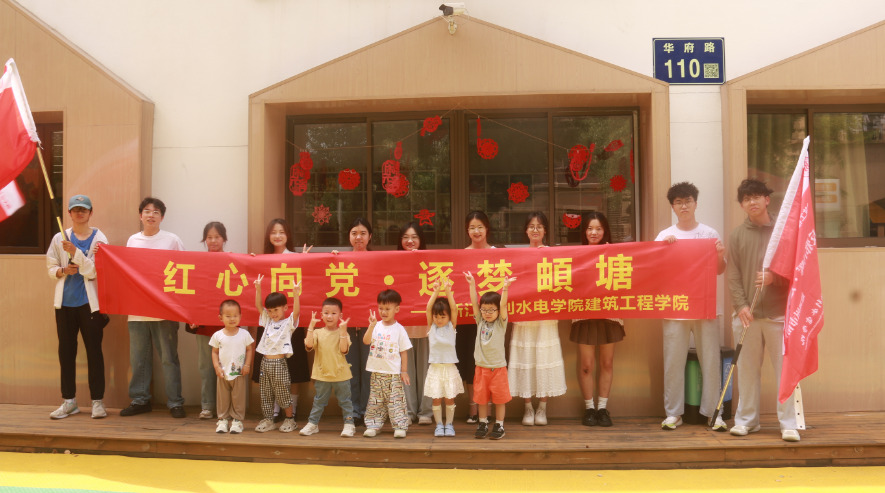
(689, 60)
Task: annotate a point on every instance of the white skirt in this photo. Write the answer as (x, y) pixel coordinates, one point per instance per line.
(443, 381)
(536, 368)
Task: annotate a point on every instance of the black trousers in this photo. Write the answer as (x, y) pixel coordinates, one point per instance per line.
(71, 321)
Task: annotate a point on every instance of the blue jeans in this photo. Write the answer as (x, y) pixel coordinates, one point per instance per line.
(321, 399)
(357, 357)
(208, 379)
(143, 337)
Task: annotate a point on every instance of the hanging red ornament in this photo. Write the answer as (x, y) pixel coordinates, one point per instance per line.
(579, 156)
(614, 145)
(321, 214)
(398, 151)
(571, 221)
(431, 123)
(398, 186)
(424, 217)
(518, 192)
(348, 179)
(394, 182)
(618, 183)
(299, 174)
(486, 148)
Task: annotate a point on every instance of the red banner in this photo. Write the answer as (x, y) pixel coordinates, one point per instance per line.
(627, 280)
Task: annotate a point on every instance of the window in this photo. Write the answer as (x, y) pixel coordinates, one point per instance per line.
(506, 164)
(30, 229)
(847, 158)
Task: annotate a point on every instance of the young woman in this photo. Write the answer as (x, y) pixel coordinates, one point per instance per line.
(593, 334)
(360, 236)
(536, 368)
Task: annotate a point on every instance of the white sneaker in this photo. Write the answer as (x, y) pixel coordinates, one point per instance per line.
(348, 430)
(236, 427)
(720, 424)
(528, 418)
(741, 430)
(671, 423)
(541, 417)
(66, 409)
(98, 410)
(370, 432)
(206, 414)
(399, 433)
(265, 425)
(221, 427)
(309, 429)
(425, 420)
(790, 435)
(288, 425)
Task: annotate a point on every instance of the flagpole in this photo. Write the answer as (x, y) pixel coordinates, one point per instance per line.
(52, 196)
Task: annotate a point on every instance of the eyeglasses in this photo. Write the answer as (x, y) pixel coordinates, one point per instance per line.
(488, 311)
(476, 229)
(535, 228)
(683, 203)
(148, 212)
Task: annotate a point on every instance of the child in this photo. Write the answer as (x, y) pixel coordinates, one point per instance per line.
(275, 346)
(490, 378)
(443, 379)
(388, 365)
(231, 357)
(331, 372)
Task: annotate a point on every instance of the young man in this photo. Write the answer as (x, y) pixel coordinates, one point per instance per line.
(746, 250)
(146, 332)
(683, 199)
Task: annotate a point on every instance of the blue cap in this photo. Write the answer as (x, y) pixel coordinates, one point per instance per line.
(80, 201)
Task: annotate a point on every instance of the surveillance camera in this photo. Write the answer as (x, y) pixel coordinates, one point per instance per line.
(453, 8)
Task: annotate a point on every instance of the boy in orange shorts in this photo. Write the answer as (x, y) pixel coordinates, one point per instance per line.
(490, 379)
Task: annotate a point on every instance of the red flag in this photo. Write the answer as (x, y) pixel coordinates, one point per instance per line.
(18, 134)
(793, 254)
(11, 200)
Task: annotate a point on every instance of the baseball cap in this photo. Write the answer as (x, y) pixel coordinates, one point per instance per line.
(80, 201)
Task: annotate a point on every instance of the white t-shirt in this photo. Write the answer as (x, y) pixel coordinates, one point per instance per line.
(277, 338)
(163, 240)
(387, 342)
(700, 231)
(231, 351)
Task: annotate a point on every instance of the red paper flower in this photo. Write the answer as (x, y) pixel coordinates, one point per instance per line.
(614, 145)
(571, 221)
(321, 214)
(305, 161)
(424, 217)
(398, 186)
(349, 179)
(431, 123)
(579, 156)
(518, 192)
(618, 183)
(486, 148)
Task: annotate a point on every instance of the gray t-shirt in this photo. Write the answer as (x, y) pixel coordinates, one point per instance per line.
(489, 350)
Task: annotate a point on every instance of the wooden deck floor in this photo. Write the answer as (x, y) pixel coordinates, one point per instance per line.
(633, 443)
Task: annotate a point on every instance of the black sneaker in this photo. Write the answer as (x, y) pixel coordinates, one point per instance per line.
(134, 409)
(177, 412)
(589, 418)
(482, 430)
(603, 418)
(497, 432)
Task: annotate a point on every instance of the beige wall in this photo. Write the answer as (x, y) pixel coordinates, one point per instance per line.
(107, 155)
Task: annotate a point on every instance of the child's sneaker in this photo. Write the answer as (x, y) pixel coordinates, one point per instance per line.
(236, 427)
(399, 433)
(528, 418)
(265, 425)
(482, 430)
(309, 429)
(66, 409)
(98, 410)
(222, 426)
(603, 418)
(541, 417)
(288, 425)
(450, 430)
(440, 430)
(671, 423)
(497, 432)
(370, 432)
(206, 414)
(719, 425)
(348, 430)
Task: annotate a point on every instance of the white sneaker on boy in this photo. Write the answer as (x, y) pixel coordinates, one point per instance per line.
(67, 408)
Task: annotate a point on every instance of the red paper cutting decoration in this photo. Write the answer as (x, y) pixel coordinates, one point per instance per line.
(299, 173)
(579, 156)
(486, 148)
(321, 214)
(349, 179)
(424, 217)
(518, 192)
(431, 123)
(394, 182)
(571, 221)
(614, 145)
(618, 183)
(398, 186)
